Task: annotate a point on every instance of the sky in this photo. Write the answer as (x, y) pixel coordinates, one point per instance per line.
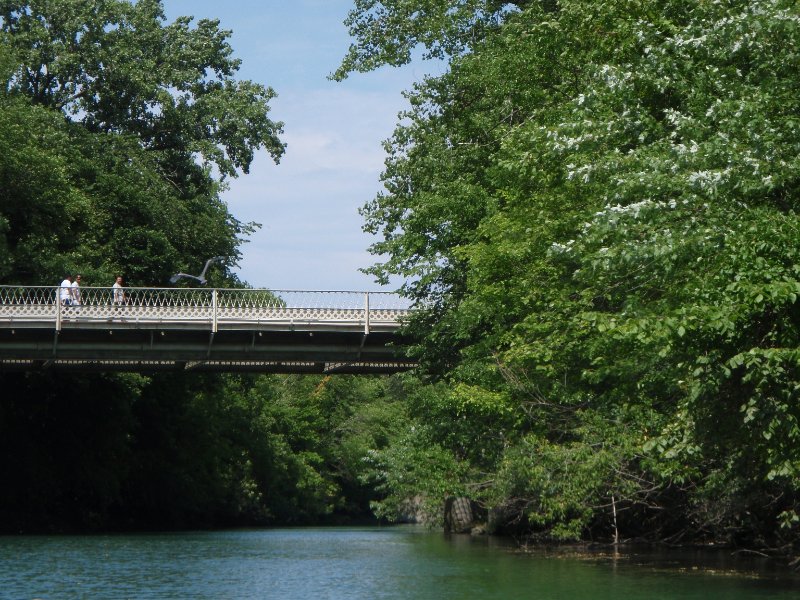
(311, 236)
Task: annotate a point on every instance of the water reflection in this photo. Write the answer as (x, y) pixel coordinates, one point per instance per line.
(365, 563)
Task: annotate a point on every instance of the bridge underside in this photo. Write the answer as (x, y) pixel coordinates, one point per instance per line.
(156, 349)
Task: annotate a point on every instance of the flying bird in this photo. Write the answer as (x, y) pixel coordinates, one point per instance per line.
(199, 278)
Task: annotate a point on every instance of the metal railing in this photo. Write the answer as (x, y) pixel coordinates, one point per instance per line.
(214, 306)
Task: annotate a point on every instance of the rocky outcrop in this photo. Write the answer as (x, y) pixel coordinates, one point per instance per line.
(412, 511)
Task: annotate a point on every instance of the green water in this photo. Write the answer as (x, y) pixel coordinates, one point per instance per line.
(369, 563)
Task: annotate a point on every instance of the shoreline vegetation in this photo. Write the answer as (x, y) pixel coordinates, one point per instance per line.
(595, 209)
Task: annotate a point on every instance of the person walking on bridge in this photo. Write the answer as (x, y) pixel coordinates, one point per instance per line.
(119, 292)
(76, 291)
(65, 291)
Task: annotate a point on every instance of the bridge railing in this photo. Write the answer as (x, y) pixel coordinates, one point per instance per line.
(208, 305)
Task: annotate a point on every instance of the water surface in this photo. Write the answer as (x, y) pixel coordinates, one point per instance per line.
(374, 563)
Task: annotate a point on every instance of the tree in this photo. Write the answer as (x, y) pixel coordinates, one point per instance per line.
(596, 205)
(143, 100)
(116, 133)
(116, 67)
(386, 31)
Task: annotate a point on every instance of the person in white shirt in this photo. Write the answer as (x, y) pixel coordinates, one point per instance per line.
(119, 293)
(76, 290)
(65, 291)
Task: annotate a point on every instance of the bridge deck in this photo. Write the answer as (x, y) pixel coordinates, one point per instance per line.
(202, 329)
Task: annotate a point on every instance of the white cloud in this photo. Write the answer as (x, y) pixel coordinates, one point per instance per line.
(308, 205)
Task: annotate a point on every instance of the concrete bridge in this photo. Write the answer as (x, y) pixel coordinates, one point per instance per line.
(152, 329)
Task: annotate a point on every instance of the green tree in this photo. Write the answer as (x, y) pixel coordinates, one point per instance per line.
(311, 436)
(387, 31)
(595, 206)
(118, 187)
(117, 67)
(116, 131)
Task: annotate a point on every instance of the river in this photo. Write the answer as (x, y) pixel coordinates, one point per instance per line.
(356, 563)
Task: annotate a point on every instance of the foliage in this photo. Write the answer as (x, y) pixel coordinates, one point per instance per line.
(116, 133)
(386, 31)
(435, 454)
(596, 208)
(114, 124)
(116, 67)
(170, 451)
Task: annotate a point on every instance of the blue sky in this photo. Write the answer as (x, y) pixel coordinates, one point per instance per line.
(311, 235)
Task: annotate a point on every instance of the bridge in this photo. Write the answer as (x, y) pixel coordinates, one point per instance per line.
(157, 329)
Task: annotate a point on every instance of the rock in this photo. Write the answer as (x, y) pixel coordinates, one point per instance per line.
(458, 515)
(412, 511)
(479, 529)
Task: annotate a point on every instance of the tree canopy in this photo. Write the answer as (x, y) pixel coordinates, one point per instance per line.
(118, 67)
(596, 207)
(118, 131)
(387, 31)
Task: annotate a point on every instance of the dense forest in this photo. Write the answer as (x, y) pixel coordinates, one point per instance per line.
(594, 209)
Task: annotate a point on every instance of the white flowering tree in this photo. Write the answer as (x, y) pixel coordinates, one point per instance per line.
(599, 204)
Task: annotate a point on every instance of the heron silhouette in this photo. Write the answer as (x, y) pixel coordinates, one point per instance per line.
(199, 278)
